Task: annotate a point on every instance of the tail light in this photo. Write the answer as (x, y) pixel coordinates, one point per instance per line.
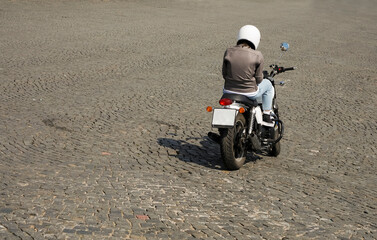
(225, 101)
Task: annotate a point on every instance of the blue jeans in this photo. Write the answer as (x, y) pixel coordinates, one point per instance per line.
(266, 92)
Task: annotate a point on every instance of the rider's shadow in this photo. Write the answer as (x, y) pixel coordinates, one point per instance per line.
(207, 154)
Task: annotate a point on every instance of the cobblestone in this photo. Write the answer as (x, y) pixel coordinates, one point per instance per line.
(103, 124)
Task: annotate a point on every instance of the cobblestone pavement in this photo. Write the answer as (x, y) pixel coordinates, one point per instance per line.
(103, 123)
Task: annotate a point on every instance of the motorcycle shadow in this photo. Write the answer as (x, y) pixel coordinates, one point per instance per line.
(206, 154)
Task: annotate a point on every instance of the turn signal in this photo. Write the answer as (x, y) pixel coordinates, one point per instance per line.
(209, 109)
(225, 101)
(241, 110)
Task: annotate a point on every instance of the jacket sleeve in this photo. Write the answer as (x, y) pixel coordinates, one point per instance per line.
(259, 70)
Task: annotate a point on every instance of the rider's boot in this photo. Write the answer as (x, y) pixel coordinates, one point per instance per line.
(268, 120)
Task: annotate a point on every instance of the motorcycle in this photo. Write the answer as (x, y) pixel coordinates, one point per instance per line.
(241, 127)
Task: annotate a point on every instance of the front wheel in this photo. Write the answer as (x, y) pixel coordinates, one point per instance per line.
(275, 108)
(233, 144)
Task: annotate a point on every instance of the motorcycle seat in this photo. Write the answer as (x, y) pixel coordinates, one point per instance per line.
(241, 98)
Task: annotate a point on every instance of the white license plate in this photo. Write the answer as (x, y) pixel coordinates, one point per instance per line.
(224, 118)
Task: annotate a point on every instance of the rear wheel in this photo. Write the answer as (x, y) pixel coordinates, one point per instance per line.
(233, 144)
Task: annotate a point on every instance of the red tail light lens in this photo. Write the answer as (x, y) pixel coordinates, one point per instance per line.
(225, 101)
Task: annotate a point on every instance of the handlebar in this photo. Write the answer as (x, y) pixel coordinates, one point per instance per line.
(290, 69)
(278, 69)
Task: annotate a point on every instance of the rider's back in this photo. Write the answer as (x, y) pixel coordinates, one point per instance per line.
(242, 69)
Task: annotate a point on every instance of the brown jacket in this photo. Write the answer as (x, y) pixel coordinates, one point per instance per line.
(242, 69)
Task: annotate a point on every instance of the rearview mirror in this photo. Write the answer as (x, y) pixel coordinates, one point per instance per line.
(284, 46)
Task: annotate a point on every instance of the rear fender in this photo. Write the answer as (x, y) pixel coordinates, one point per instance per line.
(236, 106)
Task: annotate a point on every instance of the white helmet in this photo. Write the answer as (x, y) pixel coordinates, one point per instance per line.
(249, 33)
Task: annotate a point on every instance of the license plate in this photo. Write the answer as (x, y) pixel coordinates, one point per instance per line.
(223, 118)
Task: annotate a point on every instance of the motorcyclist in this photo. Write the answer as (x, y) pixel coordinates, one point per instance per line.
(243, 71)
